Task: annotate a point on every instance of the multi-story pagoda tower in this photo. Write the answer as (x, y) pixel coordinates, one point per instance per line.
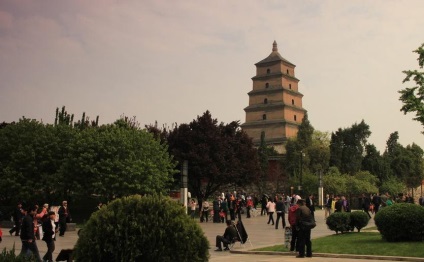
(275, 104)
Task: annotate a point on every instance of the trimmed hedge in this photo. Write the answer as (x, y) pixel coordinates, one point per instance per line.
(339, 222)
(358, 220)
(135, 228)
(401, 222)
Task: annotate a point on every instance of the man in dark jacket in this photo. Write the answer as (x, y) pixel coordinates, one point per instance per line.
(279, 208)
(229, 236)
(49, 230)
(303, 213)
(17, 219)
(310, 204)
(27, 234)
(366, 203)
(64, 217)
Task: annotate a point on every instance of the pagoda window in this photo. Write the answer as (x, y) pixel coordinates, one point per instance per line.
(295, 118)
(292, 101)
(266, 85)
(266, 101)
(268, 71)
(289, 86)
(287, 71)
(264, 117)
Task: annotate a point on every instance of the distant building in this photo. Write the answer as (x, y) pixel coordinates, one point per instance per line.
(275, 103)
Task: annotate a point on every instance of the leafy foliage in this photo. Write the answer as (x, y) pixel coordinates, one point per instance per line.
(11, 256)
(41, 162)
(413, 97)
(148, 228)
(401, 222)
(117, 160)
(358, 220)
(347, 147)
(339, 222)
(217, 154)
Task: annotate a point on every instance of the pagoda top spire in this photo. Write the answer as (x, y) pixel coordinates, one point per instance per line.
(274, 46)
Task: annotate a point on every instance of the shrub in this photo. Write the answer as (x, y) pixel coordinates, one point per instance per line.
(339, 222)
(358, 220)
(10, 256)
(135, 228)
(401, 222)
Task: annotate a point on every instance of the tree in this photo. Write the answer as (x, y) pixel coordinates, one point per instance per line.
(413, 97)
(375, 163)
(393, 186)
(117, 160)
(347, 147)
(217, 154)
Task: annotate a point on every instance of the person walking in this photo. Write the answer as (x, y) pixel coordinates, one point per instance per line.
(279, 207)
(49, 236)
(193, 208)
(64, 217)
(18, 214)
(205, 211)
(271, 209)
(29, 245)
(366, 203)
(327, 205)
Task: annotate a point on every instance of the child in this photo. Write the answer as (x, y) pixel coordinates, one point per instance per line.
(287, 236)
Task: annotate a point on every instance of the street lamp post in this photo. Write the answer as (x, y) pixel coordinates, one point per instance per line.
(184, 186)
(320, 190)
(301, 171)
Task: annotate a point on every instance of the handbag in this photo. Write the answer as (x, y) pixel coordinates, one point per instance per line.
(308, 224)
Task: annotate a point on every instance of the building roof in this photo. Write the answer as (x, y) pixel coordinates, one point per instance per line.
(274, 56)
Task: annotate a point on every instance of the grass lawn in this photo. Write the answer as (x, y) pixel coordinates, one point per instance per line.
(363, 243)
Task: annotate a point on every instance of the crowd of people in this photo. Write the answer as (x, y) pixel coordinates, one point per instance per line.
(229, 206)
(33, 223)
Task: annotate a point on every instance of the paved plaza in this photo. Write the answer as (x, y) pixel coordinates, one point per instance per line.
(260, 234)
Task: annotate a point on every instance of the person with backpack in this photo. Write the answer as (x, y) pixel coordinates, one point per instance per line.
(292, 222)
(305, 222)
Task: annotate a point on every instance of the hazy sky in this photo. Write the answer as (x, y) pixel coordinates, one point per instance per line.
(171, 61)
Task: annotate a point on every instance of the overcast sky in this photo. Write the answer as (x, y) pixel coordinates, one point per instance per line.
(170, 61)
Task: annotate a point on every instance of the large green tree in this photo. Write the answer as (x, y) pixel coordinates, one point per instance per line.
(42, 162)
(347, 147)
(218, 154)
(413, 97)
(117, 160)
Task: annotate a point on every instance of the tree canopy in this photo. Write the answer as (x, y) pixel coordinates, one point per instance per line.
(46, 162)
(217, 154)
(413, 97)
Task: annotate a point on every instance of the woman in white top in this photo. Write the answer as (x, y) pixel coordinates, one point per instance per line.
(271, 209)
(193, 208)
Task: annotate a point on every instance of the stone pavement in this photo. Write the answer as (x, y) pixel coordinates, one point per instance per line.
(260, 234)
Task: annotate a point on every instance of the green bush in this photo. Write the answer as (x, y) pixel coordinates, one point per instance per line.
(401, 222)
(135, 228)
(339, 222)
(358, 220)
(10, 256)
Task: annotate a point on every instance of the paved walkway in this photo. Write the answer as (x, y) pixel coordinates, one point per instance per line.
(260, 234)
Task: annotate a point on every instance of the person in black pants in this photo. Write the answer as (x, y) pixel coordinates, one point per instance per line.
(64, 217)
(310, 204)
(303, 213)
(230, 235)
(49, 230)
(366, 204)
(17, 219)
(29, 245)
(280, 213)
